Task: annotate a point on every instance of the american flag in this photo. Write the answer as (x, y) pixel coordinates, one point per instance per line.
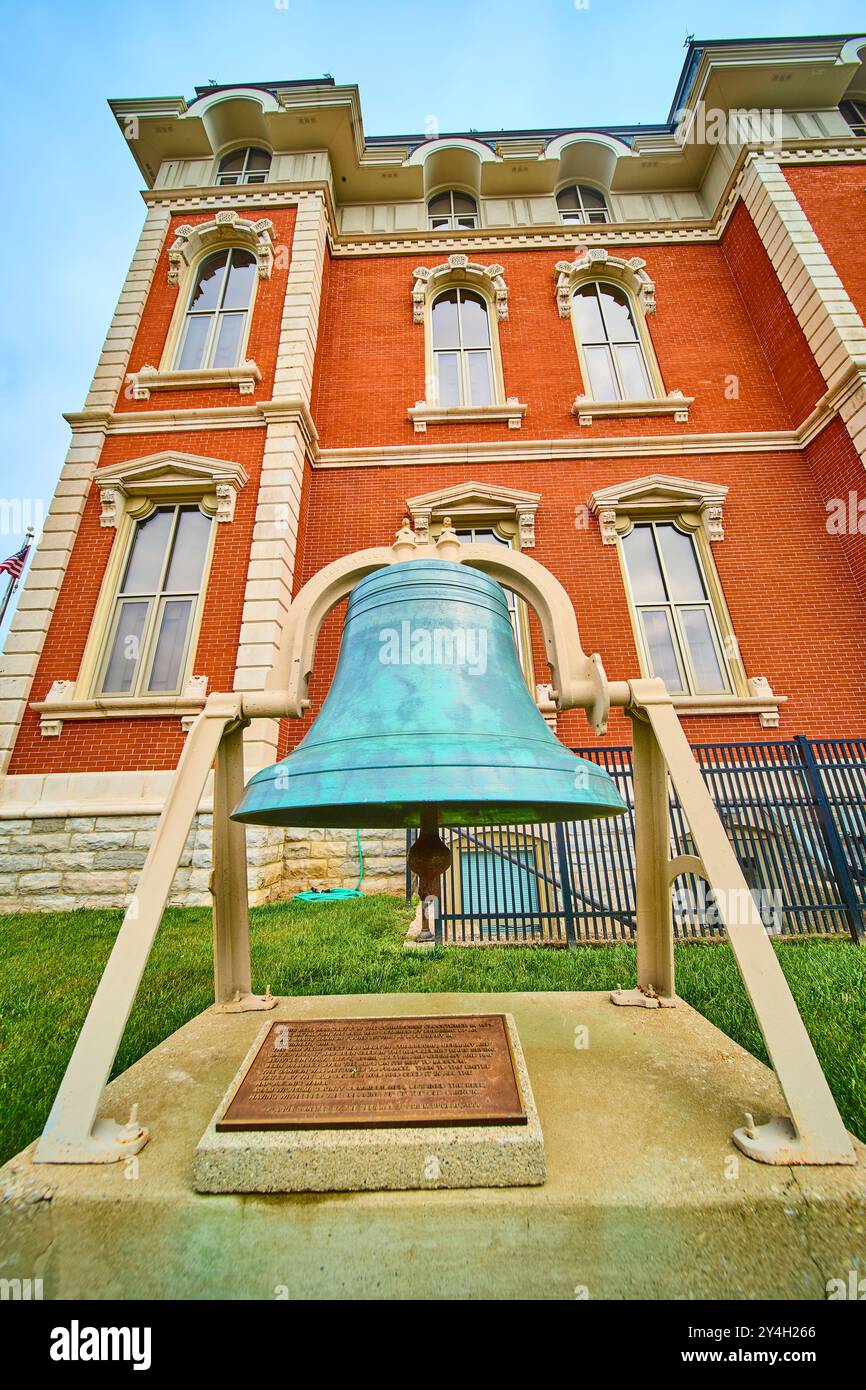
(15, 564)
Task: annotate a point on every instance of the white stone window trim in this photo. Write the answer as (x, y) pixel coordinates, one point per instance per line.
(475, 504)
(227, 229)
(655, 496)
(245, 377)
(511, 413)
(213, 483)
(462, 273)
(459, 270)
(60, 706)
(131, 490)
(661, 496)
(631, 275)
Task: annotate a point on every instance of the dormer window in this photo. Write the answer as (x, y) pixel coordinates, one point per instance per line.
(581, 203)
(451, 211)
(244, 166)
(855, 114)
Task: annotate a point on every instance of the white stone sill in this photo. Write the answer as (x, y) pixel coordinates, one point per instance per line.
(763, 706)
(245, 378)
(53, 714)
(511, 413)
(587, 410)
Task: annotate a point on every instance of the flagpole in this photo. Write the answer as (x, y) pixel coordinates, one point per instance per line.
(13, 582)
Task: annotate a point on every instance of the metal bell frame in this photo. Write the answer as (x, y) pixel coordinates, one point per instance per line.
(812, 1133)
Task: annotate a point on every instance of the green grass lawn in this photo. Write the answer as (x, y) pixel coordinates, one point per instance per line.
(50, 965)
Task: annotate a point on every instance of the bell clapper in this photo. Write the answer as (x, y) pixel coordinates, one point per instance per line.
(429, 857)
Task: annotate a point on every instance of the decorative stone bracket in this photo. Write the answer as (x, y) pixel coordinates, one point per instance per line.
(213, 483)
(458, 270)
(631, 274)
(227, 227)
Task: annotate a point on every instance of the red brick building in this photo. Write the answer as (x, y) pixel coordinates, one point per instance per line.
(638, 351)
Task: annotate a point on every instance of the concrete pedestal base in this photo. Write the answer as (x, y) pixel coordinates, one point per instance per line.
(646, 1195)
(357, 1160)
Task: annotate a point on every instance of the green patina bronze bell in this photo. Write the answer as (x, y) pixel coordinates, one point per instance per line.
(428, 718)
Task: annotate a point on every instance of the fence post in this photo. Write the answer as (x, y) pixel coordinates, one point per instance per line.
(853, 911)
(565, 883)
(408, 870)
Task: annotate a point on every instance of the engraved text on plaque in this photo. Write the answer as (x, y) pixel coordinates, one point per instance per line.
(326, 1073)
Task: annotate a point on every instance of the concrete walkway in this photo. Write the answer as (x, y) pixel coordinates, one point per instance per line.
(646, 1196)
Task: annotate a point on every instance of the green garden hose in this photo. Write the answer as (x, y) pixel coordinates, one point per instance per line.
(335, 895)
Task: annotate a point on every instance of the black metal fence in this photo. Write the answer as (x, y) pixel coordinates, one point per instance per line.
(795, 815)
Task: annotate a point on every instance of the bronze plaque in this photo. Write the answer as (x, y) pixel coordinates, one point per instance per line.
(338, 1073)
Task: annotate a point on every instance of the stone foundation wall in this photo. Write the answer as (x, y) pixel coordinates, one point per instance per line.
(329, 859)
(55, 865)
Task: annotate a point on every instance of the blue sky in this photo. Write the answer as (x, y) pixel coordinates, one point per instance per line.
(67, 235)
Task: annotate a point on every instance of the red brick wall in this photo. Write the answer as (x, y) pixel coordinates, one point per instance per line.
(141, 743)
(370, 361)
(833, 198)
(264, 327)
(838, 472)
(784, 344)
(788, 584)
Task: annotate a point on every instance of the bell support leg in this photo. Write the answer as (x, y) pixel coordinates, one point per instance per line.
(231, 918)
(813, 1133)
(655, 927)
(72, 1132)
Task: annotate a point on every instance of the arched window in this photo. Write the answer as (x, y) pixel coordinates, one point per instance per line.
(215, 323)
(450, 211)
(244, 166)
(855, 114)
(148, 645)
(581, 203)
(615, 362)
(462, 349)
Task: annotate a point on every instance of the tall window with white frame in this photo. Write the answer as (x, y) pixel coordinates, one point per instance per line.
(676, 620)
(215, 322)
(463, 366)
(156, 605)
(244, 166)
(614, 355)
(579, 202)
(451, 211)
